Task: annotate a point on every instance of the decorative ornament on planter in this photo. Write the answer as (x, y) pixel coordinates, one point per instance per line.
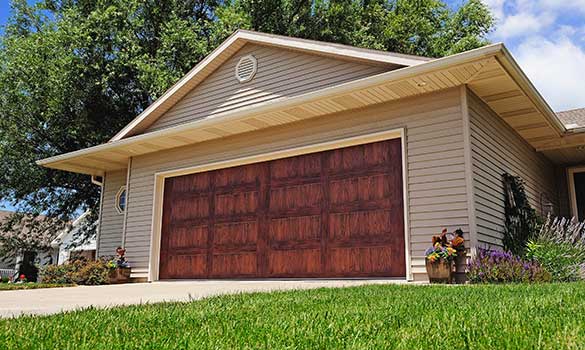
(440, 257)
(119, 267)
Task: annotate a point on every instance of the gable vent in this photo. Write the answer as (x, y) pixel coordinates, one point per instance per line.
(246, 68)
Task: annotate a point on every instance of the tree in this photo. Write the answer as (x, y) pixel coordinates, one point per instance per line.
(74, 72)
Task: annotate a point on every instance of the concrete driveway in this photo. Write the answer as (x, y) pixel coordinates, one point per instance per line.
(50, 301)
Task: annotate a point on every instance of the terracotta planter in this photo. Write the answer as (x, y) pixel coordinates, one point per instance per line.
(440, 271)
(120, 275)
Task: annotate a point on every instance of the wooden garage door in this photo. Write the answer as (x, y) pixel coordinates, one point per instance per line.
(336, 213)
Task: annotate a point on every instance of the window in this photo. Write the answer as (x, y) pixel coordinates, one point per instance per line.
(577, 192)
(121, 200)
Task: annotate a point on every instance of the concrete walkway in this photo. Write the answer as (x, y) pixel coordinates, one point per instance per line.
(50, 301)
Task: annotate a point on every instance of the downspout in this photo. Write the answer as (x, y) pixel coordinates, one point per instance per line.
(99, 226)
(126, 201)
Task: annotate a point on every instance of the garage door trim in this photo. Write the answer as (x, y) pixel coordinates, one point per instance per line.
(155, 241)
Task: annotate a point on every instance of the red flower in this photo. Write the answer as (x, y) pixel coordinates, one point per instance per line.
(22, 277)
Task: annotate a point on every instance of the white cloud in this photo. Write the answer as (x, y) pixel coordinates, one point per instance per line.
(561, 5)
(522, 24)
(557, 68)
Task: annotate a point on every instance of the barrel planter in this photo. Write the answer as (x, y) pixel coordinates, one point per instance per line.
(440, 271)
(120, 275)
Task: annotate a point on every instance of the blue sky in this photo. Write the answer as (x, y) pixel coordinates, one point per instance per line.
(547, 38)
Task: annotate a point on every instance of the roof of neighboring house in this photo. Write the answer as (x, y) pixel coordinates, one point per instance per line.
(573, 118)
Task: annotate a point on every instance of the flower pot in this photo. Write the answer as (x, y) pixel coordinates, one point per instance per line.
(460, 267)
(120, 275)
(440, 271)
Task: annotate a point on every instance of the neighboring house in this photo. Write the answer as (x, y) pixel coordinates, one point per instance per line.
(70, 243)
(11, 263)
(283, 157)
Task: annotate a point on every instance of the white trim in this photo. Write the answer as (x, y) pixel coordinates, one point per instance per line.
(117, 199)
(470, 189)
(159, 180)
(406, 205)
(572, 195)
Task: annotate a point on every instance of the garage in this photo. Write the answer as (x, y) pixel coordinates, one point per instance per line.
(335, 213)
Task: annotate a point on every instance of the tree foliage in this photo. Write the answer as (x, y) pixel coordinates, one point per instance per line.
(74, 72)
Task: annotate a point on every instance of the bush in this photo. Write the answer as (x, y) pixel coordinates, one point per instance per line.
(560, 248)
(490, 266)
(79, 271)
(92, 273)
(5, 279)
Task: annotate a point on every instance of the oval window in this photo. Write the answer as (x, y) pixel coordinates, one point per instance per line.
(121, 200)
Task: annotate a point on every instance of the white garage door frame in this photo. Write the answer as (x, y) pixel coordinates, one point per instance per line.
(159, 180)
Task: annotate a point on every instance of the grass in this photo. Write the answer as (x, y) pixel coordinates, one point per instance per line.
(30, 285)
(550, 316)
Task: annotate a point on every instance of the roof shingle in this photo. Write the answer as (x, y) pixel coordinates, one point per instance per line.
(573, 118)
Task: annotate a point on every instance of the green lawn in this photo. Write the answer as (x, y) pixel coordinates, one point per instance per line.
(402, 317)
(17, 286)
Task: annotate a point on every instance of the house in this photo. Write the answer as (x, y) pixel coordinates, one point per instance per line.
(70, 243)
(22, 260)
(283, 157)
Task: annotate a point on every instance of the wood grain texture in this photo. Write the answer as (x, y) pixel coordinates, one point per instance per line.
(337, 213)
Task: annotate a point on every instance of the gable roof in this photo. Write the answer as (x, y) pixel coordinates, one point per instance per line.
(573, 118)
(235, 42)
(490, 72)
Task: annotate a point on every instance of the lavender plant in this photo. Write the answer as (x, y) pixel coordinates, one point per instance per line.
(492, 266)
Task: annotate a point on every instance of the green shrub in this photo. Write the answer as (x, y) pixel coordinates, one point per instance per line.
(5, 279)
(560, 248)
(92, 273)
(79, 271)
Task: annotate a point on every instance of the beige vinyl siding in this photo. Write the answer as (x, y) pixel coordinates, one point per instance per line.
(436, 179)
(111, 222)
(281, 73)
(496, 149)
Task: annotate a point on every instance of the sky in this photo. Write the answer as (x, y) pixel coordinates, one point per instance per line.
(546, 37)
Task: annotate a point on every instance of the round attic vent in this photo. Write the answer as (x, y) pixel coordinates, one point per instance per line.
(246, 68)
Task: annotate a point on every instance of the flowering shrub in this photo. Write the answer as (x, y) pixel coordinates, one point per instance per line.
(492, 266)
(560, 248)
(439, 252)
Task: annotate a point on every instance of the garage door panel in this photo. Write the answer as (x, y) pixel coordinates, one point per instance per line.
(354, 261)
(189, 207)
(238, 176)
(234, 265)
(229, 204)
(287, 198)
(188, 237)
(305, 166)
(294, 263)
(359, 158)
(190, 184)
(295, 228)
(186, 266)
(361, 225)
(360, 189)
(235, 233)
